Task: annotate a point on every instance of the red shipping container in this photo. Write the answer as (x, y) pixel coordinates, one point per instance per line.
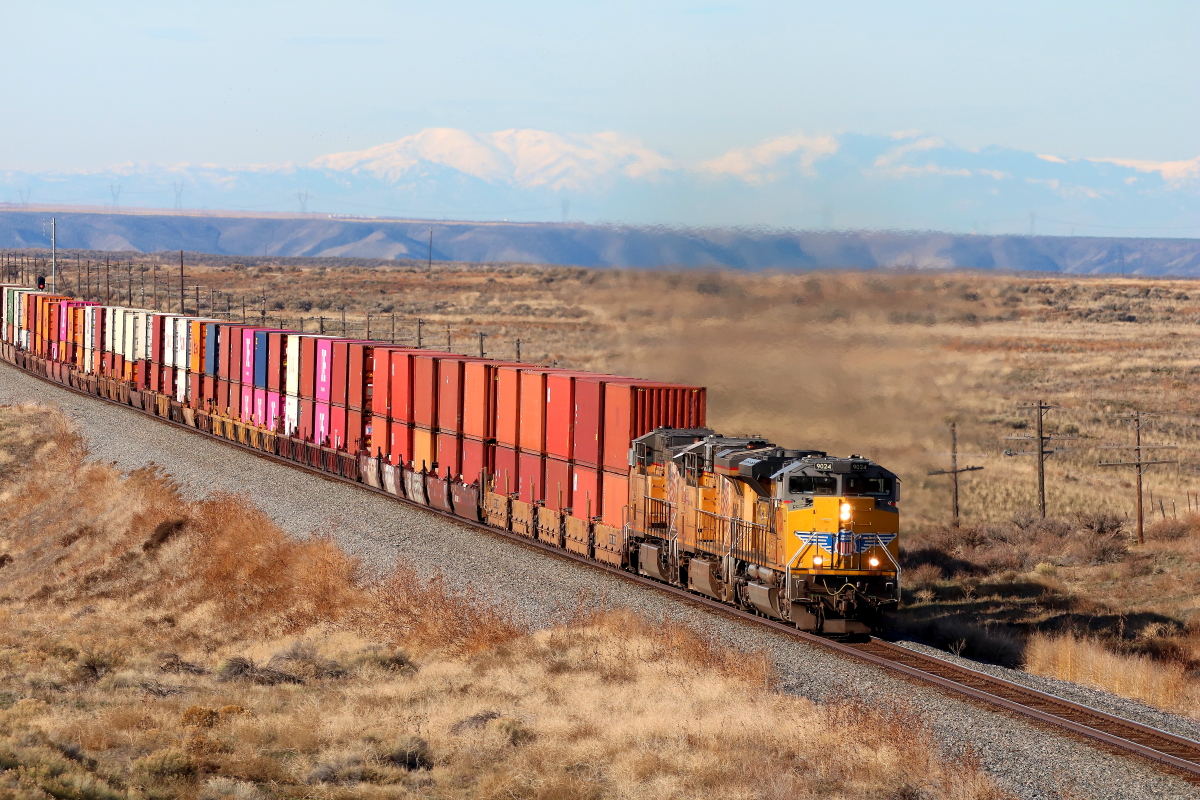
(168, 381)
(209, 389)
(560, 412)
(304, 425)
(235, 400)
(234, 353)
(451, 390)
(508, 405)
(615, 494)
(449, 453)
(531, 432)
(155, 377)
(361, 373)
(533, 477)
(588, 429)
(308, 367)
(479, 404)
(399, 442)
(475, 459)
(337, 427)
(586, 487)
(356, 439)
(275, 358)
(339, 372)
(507, 467)
(222, 396)
(424, 391)
(558, 484)
(380, 383)
(195, 389)
(634, 408)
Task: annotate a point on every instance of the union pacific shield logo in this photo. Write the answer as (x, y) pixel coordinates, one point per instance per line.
(822, 540)
(847, 543)
(868, 540)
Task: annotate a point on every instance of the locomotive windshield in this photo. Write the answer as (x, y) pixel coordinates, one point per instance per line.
(808, 484)
(873, 487)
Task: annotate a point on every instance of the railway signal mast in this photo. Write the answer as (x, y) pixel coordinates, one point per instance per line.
(1139, 464)
(954, 469)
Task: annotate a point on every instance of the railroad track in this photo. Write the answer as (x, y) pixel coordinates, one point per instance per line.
(1174, 754)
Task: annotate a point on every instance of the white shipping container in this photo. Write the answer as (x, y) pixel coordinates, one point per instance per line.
(127, 326)
(181, 342)
(118, 329)
(181, 385)
(108, 328)
(291, 414)
(292, 373)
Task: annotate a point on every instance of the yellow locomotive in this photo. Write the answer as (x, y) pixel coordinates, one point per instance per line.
(795, 535)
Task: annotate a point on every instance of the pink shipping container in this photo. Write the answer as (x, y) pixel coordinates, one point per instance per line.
(247, 407)
(260, 406)
(321, 422)
(248, 357)
(274, 408)
(324, 370)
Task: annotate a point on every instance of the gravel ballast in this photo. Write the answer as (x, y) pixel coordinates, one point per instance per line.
(1027, 760)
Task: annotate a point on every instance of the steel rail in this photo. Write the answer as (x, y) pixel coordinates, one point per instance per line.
(1178, 755)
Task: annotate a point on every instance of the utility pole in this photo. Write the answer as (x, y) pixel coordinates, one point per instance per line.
(518, 349)
(343, 310)
(448, 337)
(431, 249)
(420, 322)
(154, 285)
(1041, 439)
(53, 257)
(181, 289)
(953, 472)
(1139, 465)
(368, 336)
(107, 285)
(393, 328)
(79, 279)
(481, 335)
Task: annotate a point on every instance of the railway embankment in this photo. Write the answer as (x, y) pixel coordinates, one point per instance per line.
(537, 591)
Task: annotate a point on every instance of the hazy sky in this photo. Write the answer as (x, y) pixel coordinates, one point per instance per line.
(271, 82)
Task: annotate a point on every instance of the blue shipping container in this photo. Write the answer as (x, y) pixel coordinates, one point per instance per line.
(212, 348)
(260, 359)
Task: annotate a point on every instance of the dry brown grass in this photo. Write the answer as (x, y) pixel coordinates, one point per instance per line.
(1092, 663)
(157, 647)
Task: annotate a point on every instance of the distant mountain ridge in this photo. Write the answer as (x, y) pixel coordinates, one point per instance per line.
(594, 245)
(906, 181)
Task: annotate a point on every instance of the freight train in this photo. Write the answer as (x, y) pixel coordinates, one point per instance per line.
(616, 469)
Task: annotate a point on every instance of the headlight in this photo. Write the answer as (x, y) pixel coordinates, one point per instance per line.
(845, 511)
(874, 562)
(818, 561)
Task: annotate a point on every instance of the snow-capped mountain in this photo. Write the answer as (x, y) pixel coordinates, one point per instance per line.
(907, 181)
